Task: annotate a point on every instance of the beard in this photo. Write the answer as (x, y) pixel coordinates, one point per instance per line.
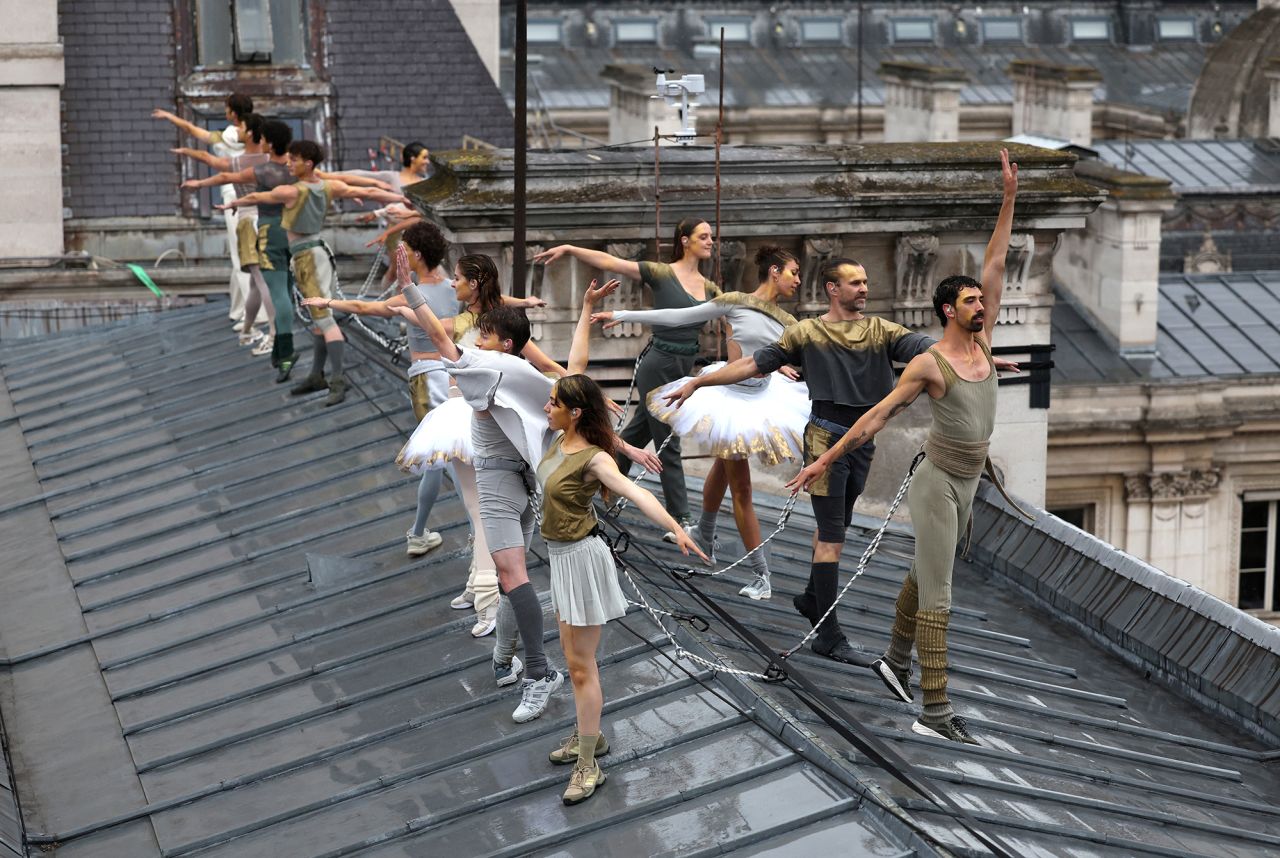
(976, 324)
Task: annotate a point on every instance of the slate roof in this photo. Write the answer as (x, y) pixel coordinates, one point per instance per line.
(1234, 167)
(1160, 79)
(225, 705)
(1207, 325)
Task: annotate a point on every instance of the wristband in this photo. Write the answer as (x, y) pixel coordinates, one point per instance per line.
(413, 296)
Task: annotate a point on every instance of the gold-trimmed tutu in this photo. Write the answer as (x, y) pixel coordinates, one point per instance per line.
(443, 436)
(760, 417)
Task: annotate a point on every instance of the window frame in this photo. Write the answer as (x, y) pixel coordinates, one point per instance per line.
(1271, 569)
(1161, 20)
(896, 20)
(617, 25)
(714, 24)
(806, 39)
(544, 22)
(1091, 19)
(309, 49)
(1003, 19)
(1088, 518)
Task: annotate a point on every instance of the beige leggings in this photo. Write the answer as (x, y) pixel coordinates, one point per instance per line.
(940, 505)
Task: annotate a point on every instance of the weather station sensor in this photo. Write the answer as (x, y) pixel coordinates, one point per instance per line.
(677, 92)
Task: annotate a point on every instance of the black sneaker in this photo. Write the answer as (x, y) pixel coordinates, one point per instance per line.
(953, 729)
(842, 652)
(898, 683)
(310, 384)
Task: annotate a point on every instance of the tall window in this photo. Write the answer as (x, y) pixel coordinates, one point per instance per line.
(231, 32)
(1258, 560)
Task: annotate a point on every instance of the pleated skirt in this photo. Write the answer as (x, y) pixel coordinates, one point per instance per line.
(584, 582)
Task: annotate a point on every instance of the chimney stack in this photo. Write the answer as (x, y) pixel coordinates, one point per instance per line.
(1053, 100)
(921, 102)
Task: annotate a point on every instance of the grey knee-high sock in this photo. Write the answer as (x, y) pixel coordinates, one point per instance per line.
(428, 491)
(760, 563)
(319, 348)
(707, 530)
(524, 602)
(506, 634)
(337, 351)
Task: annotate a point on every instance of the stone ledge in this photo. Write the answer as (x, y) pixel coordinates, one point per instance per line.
(1042, 71)
(921, 73)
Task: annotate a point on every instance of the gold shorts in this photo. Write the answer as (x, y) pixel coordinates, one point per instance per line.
(313, 273)
(418, 396)
(248, 243)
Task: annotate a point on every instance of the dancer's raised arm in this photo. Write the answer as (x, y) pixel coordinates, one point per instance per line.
(695, 315)
(595, 258)
(993, 263)
(580, 349)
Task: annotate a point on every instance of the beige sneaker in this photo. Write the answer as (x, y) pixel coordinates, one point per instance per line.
(567, 753)
(583, 783)
(486, 620)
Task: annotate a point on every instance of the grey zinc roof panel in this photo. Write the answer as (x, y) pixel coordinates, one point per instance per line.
(1198, 166)
(266, 715)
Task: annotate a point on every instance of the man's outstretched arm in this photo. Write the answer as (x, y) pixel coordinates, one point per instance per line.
(993, 263)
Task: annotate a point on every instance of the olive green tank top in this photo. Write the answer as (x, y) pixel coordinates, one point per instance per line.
(967, 411)
(567, 491)
(306, 215)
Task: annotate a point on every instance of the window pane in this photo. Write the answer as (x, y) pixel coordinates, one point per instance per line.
(289, 25)
(1253, 550)
(252, 30)
(1073, 515)
(635, 31)
(913, 30)
(543, 32)
(1254, 514)
(1086, 31)
(1176, 28)
(1252, 591)
(213, 32)
(1002, 30)
(734, 31)
(820, 31)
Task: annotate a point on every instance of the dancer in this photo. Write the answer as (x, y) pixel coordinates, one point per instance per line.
(765, 416)
(306, 202)
(585, 593)
(959, 375)
(229, 141)
(415, 161)
(675, 285)
(509, 437)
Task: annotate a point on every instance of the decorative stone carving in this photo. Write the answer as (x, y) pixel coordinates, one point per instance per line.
(914, 259)
(1207, 260)
(817, 251)
(1172, 486)
(629, 296)
(733, 255)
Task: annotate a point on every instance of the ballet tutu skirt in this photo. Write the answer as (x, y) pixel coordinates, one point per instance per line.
(764, 417)
(443, 436)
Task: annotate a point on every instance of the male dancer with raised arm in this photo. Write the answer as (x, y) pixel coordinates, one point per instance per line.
(959, 375)
(510, 436)
(306, 203)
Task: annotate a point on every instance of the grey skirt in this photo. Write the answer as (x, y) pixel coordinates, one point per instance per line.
(584, 582)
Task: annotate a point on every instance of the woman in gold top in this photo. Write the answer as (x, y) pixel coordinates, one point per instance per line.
(584, 580)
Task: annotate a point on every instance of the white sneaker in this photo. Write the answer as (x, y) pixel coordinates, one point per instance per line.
(757, 589)
(238, 326)
(670, 535)
(249, 337)
(486, 620)
(506, 674)
(534, 696)
(463, 600)
(419, 545)
(264, 347)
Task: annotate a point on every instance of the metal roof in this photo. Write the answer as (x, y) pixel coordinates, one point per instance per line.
(177, 685)
(1207, 325)
(1160, 79)
(1199, 166)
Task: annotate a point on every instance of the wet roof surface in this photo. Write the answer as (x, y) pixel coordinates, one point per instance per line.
(1199, 166)
(1160, 79)
(261, 714)
(1207, 325)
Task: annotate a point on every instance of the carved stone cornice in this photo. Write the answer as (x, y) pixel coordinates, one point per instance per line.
(817, 250)
(1172, 486)
(914, 259)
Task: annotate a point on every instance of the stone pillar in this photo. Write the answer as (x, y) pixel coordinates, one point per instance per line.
(1168, 522)
(481, 20)
(1053, 100)
(632, 113)
(1273, 111)
(1112, 266)
(31, 79)
(921, 103)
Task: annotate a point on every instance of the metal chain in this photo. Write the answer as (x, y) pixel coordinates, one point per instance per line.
(783, 518)
(621, 503)
(681, 651)
(866, 557)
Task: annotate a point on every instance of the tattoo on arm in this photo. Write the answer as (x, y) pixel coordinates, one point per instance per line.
(898, 409)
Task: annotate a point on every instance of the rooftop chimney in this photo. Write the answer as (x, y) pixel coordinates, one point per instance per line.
(1053, 101)
(632, 111)
(921, 102)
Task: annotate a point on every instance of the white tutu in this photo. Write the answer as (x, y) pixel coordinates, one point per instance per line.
(443, 436)
(765, 417)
